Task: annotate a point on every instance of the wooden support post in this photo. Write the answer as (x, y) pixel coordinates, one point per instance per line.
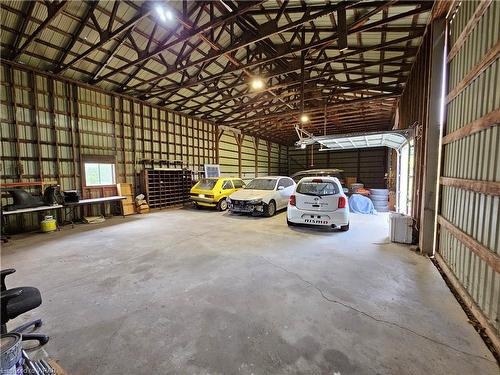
(36, 120)
(20, 168)
(433, 134)
(124, 153)
(134, 145)
(268, 157)
(256, 149)
(53, 125)
(69, 105)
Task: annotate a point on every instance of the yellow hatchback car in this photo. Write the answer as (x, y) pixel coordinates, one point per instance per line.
(213, 192)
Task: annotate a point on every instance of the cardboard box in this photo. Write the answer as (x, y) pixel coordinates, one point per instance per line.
(142, 209)
(349, 181)
(128, 200)
(124, 189)
(128, 208)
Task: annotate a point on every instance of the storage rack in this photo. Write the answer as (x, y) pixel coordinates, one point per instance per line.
(166, 187)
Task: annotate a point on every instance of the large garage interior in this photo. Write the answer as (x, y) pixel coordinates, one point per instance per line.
(250, 187)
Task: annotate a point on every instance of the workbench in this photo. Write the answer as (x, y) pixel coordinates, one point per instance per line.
(82, 202)
(71, 206)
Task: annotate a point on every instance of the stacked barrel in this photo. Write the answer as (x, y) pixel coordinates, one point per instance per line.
(380, 199)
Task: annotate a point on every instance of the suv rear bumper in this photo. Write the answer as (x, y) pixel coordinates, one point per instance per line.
(337, 218)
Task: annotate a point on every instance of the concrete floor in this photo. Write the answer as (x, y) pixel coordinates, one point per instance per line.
(203, 292)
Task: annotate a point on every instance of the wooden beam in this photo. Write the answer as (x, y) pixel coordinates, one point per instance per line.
(195, 32)
(487, 121)
(74, 37)
(462, 38)
(285, 49)
(485, 187)
(491, 258)
(488, 59)
(469, 302)
(123, 28)
(341, 27)
(21, 30)
(53, 10)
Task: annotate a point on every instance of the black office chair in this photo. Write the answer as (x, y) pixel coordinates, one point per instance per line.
(17, 301)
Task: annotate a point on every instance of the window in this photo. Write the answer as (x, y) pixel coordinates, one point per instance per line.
(99, 174)
(285, 182)
(238, 184)
(206, 184)
(227, 185)
(261, 184)
(318, 188)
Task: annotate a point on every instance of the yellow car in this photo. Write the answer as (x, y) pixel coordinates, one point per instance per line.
(213, 192)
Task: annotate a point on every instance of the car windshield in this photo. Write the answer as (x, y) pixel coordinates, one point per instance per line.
(206, 184)
(261, 184)
(318, 188)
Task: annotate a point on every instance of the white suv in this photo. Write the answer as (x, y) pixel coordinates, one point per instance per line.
(319, 201)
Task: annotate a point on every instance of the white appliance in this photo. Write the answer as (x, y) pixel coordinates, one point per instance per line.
(401, 228)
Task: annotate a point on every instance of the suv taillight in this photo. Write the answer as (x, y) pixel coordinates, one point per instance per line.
(292, 200)
(342, 202)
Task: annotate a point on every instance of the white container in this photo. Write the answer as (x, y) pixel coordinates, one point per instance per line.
(401, 228)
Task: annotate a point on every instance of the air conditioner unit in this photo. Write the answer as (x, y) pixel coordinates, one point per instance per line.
(401, 228)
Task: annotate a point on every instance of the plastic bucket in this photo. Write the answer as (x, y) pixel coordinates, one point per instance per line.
(49, 224)
(11, 355)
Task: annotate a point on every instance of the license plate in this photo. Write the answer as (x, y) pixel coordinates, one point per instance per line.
(201, 195)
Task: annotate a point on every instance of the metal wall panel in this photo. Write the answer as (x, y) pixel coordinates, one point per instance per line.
(254, 157)
(49, 124)
(469, 240)
(369, 165)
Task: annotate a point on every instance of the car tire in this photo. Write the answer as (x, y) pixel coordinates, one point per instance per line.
(270, 209)
(198, 207)
(344, 228)
(222, 205)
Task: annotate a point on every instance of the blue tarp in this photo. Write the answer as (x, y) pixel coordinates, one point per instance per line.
(360, 204)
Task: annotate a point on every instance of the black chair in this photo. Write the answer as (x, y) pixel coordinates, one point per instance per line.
(17, 301)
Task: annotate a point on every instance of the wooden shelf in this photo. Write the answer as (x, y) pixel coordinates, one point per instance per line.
(165, 188)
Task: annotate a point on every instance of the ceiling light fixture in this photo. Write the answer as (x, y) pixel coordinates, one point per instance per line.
(304, 118)
(165, 15)
(257, 83)
(303, 146)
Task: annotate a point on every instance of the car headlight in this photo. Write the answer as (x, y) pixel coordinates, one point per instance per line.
(255, 201)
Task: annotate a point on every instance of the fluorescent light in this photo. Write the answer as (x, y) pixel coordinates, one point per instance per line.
(257, 83)
(303, 145)
(304, 118)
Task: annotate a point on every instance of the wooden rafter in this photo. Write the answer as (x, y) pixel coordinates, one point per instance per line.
(53, 10)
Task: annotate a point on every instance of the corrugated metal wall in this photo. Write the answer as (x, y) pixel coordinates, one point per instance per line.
(49, 124)
(369, 165)
(412, 111)
(247, 156)
(469, 231)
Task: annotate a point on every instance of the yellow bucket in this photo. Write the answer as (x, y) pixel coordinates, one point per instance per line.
(49, 224)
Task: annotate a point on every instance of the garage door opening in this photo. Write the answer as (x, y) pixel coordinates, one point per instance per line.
(366, 155)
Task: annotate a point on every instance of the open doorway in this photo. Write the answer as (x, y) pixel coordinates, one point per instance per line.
(406, 168)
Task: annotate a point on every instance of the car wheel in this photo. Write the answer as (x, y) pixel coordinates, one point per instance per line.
(222, 205)
(198, 207)
(344, 228)
(270, 209)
